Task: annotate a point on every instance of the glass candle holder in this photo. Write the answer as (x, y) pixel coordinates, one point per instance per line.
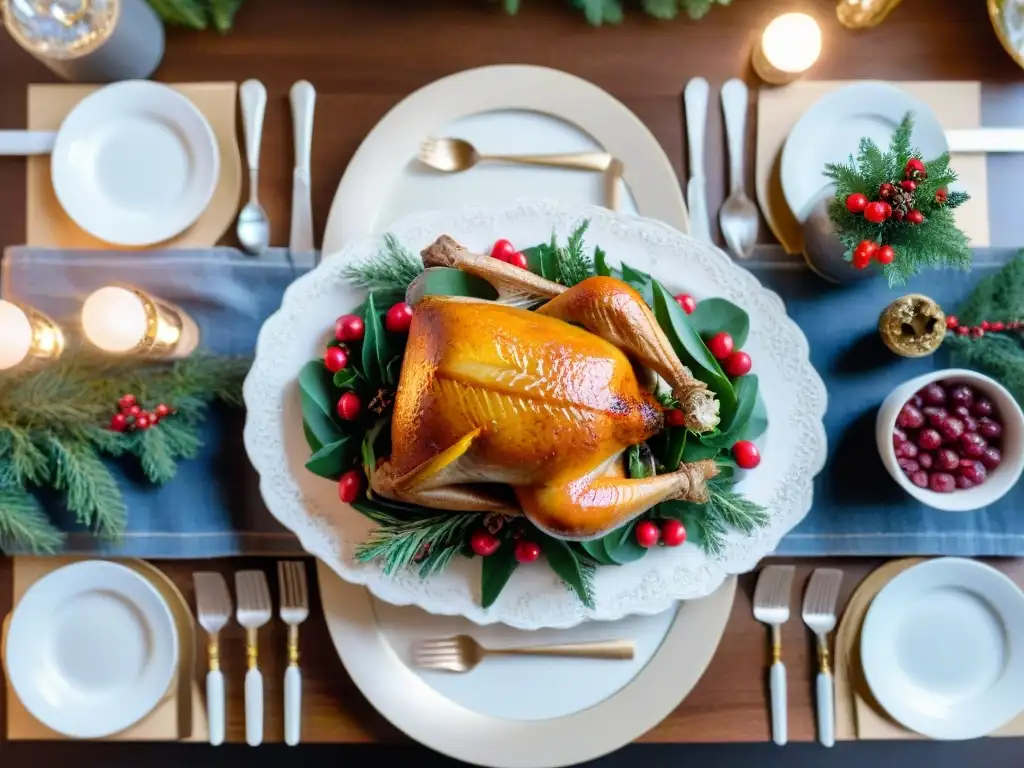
(788, 47)
(122, 320)
(27, 334)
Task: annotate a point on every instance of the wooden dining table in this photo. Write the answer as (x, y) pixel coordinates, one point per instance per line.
(365, 56)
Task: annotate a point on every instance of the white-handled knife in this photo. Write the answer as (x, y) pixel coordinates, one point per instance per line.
(986, 140)
(695, 100)
(303, 101)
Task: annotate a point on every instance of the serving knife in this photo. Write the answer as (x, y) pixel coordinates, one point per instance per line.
(695, 100)
(303, 101)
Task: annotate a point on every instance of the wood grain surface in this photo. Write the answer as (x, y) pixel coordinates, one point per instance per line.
(364, 57)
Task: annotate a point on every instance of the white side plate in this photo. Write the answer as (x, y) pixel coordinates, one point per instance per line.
(943, 649)
(135, 163)
(91, 649)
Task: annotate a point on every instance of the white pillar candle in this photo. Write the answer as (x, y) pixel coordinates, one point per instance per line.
(26, 333)
(123, 320)
(789, 46)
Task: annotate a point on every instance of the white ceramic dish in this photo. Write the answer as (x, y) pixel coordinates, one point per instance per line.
(998, 483)
(91, 649)
(831, 130)
(446, 715)
(942, 649)
(135, 163)
(501, 109)
(793, 448)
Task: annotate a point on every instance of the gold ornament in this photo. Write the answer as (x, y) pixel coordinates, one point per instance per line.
(864, 14)
(913, 326)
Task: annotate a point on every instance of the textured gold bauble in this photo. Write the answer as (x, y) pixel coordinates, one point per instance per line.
(913, 325)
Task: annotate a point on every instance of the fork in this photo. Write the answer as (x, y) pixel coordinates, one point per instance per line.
(461, 653)
(453, 155)
(771, 607)
(291, 579)
(253, 612)
(819, 615)
(213, 604)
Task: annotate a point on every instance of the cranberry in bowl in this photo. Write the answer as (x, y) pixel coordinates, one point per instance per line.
(953, 439)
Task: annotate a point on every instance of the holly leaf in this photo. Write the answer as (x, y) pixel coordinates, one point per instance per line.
(675, 444)
(719, 315)
(315, 384)
(346, 379)
(375, 346)
(543, 260)
(331, 460)
(446, 281)
(318, 405)
(640, 281)
(577, 575)
(698, 450)
(601, 267)
(495, 572)
(621, 545)
(596, 549)
(758, 421)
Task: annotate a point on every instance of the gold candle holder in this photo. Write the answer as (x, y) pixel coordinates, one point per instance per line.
(913, 326)
(787, 48)
(123, 320)
(863, 14)
(27, 334)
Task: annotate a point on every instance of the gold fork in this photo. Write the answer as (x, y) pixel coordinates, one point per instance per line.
(461, 653)
(453, 155)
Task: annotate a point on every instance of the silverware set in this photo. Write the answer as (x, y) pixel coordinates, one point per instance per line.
(254, 610)
(771, 606)
(253, 228)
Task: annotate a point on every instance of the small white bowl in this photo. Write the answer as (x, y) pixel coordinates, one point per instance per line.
(1001, 480)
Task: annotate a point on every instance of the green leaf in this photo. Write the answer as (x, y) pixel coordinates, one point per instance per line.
(746, 399)
(376, 355)
(346, 379)
(675, 445)
(394, 372)
(576, 575)
(719, 315)
(641, 281)
(621, 544)
(541, 260)
(696, 450)
(323, 427)
(446, 281)
(332, 460)
(601, 263)
(758, 421)
(596, 549)
(315, 384)
(662, 9)
(311, 439)
(495, 571)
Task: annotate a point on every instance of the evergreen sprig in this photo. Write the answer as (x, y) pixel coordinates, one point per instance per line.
(572, 263)
(936, 243)
(392, 268)
(54, 428)
(431, 540)
(198, 14)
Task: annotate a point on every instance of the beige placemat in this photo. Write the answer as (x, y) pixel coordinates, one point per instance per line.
(45, 220)
(179, 716)
(956, 104)
(858, 714)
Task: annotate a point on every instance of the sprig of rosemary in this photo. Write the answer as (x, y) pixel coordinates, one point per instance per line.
(392, 268)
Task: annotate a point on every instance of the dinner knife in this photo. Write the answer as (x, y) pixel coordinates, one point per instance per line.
(303, 101)
(985, 140)
(695, 100)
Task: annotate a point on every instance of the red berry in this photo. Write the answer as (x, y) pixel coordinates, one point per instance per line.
(909, 185)
(126, 401)
(886, 191)
(646, 533)
(875, 212)
(915, 217)
(998, 325)
(502, 249)
(985, 325)
(399, 318)
(350, 485)
(162, 410)
(133, 411)
(673, 533)
(914, 169)
(481, 541)
(527, 551)
(888, 210)
(885, 254)
(142, 422)
(861, 260)
(674, 418)
(746, 454)
(952, 321)
(686, 301)
(737, 364)
(349, 328)
(335, 358)
(518, 259)
(349, 406)
(720, 345)
(118, 422)
(856, 202)
(977, 332)
(940, 196)
(867, 247)
(962, 330)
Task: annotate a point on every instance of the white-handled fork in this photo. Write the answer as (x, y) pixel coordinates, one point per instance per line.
(291, 576)
(253, 612)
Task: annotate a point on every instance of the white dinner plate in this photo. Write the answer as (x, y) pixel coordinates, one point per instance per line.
(831, 130)
(510, 109)
(522, 712)
(91, 649)
(135, 163)
(942, 649)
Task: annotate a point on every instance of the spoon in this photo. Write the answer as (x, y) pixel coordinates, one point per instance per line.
(253, 225)
(453, 155)
(738, 215)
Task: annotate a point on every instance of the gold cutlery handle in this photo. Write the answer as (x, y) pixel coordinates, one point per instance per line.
(824, 659)
(213, 652)
(293, 645)
(251, 649)
(604, 649)
(584, 161)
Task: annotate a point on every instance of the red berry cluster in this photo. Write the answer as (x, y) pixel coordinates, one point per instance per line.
(484, 543)
(503, 250)
(672, 533)
(131, 416)
(734, 362)
(985, 326)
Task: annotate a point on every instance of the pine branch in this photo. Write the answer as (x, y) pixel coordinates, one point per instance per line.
(155, 454)
(30, 465)
(92, 492)
(392, 269)
(23, 525)
(398, 541)
(734, 510)
(572, 263)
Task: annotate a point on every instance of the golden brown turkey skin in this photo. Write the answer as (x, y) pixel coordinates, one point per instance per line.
(552, 401)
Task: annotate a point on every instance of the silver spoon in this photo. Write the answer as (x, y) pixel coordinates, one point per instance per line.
(253, 225)
(738, 215)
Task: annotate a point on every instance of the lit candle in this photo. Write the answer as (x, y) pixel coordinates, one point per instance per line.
(125, 320)
(788, 47)
(25, 333)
